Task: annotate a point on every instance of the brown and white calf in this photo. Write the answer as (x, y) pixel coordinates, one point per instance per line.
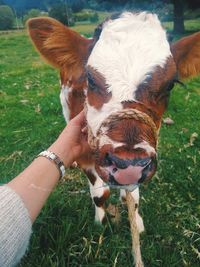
(124, 74)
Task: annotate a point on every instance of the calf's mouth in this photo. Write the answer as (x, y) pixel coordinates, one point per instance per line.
(126, 173)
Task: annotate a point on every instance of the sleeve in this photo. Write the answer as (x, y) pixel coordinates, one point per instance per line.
(15, 227)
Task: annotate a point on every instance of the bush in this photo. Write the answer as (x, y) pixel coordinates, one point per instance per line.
(82, 16)
(33, 13)
(192, 14)
(94, 17)
(166, 13)
(62, 13)
(7, 18)
(77, 5)
(86, 16)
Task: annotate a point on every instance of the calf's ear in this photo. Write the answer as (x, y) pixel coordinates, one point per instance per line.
(59, 45)
(186, 53)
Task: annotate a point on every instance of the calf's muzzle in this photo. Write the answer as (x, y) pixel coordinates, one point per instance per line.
(121, 172)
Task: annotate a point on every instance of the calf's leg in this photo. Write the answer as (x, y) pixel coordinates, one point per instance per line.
(99, 193)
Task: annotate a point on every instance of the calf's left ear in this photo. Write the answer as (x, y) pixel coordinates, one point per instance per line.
(59, 45)
(186, 53)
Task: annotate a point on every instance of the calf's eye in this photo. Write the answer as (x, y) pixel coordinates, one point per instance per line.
(91, 83)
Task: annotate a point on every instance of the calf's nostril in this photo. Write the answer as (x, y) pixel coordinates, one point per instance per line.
(114, 170)
(107, 160)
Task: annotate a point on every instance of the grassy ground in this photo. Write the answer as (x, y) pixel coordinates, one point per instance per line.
(64, 234)
(190, 25)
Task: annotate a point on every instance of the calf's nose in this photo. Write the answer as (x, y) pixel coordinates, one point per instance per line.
(126, 172)
(129, 175)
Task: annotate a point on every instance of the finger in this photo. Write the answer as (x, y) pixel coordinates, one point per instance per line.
(79, 119)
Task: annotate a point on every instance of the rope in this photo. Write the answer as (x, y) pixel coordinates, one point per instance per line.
(134, 230)
(118, 116)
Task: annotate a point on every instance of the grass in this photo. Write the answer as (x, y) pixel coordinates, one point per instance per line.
(190, 25)
(64, 233)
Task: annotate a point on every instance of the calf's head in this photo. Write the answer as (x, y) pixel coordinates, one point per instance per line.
(130, 73)
(128, 70)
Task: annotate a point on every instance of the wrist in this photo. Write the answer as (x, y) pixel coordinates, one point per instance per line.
(63, 152)
(55, 159)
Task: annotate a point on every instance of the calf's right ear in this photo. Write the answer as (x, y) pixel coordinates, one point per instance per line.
(186, 53)
(59, 45)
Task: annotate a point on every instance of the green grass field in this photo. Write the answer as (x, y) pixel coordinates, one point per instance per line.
(64, 233)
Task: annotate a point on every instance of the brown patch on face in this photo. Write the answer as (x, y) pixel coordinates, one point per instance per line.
(128, 153)
(99, 201)
(154, 92)
(76, 101)
(131, 132)
(101, 156)
(97, 90)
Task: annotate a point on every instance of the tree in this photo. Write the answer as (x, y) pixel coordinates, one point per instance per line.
(178, 16)
(33, 13)
(51, 3)
(94, 17)
(62, 13)
(6, 18)
(179, 8)
(149, 5)
(77, 5)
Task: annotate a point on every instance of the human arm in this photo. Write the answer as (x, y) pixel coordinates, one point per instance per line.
(22, 198)
(37, 181)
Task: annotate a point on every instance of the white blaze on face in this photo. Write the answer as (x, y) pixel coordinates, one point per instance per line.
(128, 50)
(96, 117)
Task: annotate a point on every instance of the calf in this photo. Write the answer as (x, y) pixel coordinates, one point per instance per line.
(123, 76)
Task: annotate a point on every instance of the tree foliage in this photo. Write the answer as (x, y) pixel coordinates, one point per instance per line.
(33, 13)
(86, 15)
(62, 13)
(94, 18)
(6, 17)
(77, 5)
(168, 9)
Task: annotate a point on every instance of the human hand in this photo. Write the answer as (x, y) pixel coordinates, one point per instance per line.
(72, 142)
(77, 134)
